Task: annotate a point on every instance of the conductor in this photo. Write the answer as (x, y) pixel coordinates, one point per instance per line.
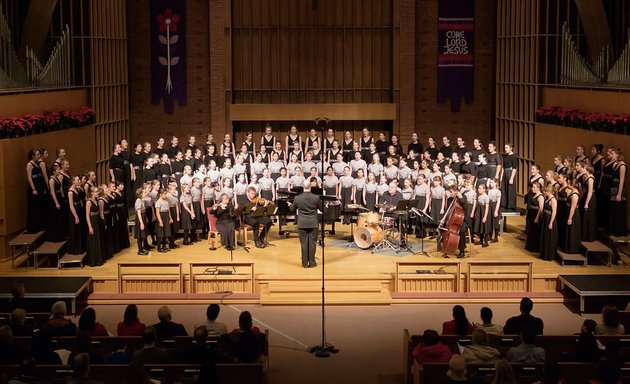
(307, 204)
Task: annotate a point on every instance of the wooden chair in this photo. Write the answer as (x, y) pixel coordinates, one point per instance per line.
(242, 232)
(214, 237)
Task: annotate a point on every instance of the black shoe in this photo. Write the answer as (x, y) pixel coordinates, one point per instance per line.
(331, 233)
(485, 244)
(258, 244)
(461, 255)
(304, 265)
(173, 246)
(143, 253)
(495, 240)
(149, 246)
(312, 265)
(163, 250)
(186, 242)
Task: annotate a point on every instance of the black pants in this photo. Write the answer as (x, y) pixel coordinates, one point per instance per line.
(255, 223)
(308, 243)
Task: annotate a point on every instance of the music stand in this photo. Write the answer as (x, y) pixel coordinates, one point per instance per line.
(239, 213)
(419, 214)
(269, 210)
(403, 206)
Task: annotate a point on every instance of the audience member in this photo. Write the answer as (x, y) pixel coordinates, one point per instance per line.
(83, 344)
(457, 371)
(88, 323)
(17, 322)
(459, 325)
(27, 369)
(245, 344)
(41, 349)
(486, 323)
(131, 325)
(431, 350)
(18, 298)
(201, 351)
(214, 327)
(587, 348)
(81, 370)
(503, 373)
(480, 351)
(149, 353)
(527, 351)
(58, 325)
(607, 372)
(166, 328)
(9, 353)
(611, 324)
(120, 354)
(514, 325)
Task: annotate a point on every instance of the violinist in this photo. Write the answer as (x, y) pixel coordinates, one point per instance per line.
(454, 193)
(226, 224)
(260, 236)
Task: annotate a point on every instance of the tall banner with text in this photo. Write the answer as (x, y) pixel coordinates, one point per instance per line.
(455, 52)
(168, 53)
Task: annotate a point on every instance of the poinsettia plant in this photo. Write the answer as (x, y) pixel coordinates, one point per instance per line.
(596, 121)
(49, 121)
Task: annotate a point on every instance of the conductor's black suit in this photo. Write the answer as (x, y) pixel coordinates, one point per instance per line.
(307, 223)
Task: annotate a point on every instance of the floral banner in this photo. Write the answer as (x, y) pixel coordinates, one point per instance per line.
(455, 52)
(168, 53)
(595, 121)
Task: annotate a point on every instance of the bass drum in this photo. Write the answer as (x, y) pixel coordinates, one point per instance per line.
(365, 237)
(368, 218)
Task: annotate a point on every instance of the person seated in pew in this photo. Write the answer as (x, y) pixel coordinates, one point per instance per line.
(431, 350)
(480, 351)
(607, 372)
(17, 322)
(9, 353)
(503, 373)
(486, 323)
(587, 347)
(41, 349)
(201, 352)
(81, 370)
(18, 298)
(457, 371)
(214, 327)
(120, 355)
(27, 370)
(131, 325)
(83, 344)
(88, 323)
(243, 345)
(459, 325)
(150, 353)
(58, 325)
(167, 328)
(611, 324)
(515, 324)
(527, 351)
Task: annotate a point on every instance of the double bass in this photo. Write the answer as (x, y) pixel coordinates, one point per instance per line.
(452, 221)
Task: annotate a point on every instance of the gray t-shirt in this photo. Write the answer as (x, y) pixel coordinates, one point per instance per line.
(139, 205)
(266, 183)
(330, 181)
(283, 182)
(162, 205)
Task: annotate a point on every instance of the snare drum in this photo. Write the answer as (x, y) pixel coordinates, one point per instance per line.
(389, 221)
(365, 237)
(367, 219)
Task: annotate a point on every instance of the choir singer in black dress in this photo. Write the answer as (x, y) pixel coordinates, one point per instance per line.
(307, 204)
(226, 224)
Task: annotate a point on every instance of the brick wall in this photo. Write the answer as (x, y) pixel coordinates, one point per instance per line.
(148, 121)
(206, 74)
(473, 120)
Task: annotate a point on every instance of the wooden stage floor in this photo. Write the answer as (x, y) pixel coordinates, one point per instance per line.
(355, 276)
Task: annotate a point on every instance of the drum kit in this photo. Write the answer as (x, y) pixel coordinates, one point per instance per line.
(380, 230)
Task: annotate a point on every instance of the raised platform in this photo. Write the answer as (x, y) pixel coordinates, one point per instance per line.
(600, 289)
(503, 272)
(42, 291)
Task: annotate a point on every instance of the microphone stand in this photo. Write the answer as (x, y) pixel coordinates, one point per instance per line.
(325, 348)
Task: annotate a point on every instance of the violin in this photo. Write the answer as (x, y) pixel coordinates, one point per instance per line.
(259, 200)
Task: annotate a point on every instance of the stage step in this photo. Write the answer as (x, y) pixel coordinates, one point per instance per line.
(310, 293)
(572, 258)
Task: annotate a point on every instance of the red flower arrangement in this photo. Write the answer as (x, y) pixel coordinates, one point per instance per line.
(596, 121)
(49, 121)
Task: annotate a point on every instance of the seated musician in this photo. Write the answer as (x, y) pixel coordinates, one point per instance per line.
(454, 193)
(391, 197)
(226, 224)
(260, 236)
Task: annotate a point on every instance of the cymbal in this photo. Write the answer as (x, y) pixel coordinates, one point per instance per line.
(357, 207)
(384, 205)
(400, 212)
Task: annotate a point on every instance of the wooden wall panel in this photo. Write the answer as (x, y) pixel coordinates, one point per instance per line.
(109, 83)
(40, 102)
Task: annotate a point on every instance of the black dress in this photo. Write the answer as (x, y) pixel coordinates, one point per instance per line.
(348, 153)
(137, 160)
(123, 217)
(76, 234)
(588, 216)
(549, 242)
(57, 224)
(107, 234)
(604, 196)
(618, 219)
(226, 225)
(37, 204)
(508, 192)
(572, 233)
(532, 243)
(95, 242)
(562, 215)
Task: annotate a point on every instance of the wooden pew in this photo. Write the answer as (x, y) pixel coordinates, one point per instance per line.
(582, 372)
(480, 373)
(168, 373)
